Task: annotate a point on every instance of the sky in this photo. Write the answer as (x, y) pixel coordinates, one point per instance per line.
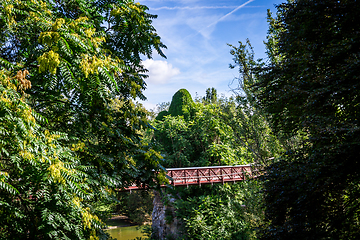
(196, 33)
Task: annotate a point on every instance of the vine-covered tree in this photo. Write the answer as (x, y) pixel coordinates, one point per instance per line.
(180, 105)
(69, 130)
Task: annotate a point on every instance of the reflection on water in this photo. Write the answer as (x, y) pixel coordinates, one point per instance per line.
(126, 233)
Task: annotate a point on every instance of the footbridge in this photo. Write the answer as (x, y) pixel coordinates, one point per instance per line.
(206, 175)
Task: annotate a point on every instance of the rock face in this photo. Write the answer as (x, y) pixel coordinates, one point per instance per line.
(164, 223)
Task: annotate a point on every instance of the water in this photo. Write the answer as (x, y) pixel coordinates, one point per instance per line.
(125, 233)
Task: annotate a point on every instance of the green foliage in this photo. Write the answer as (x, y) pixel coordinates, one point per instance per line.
(229, 211)
(157, 111)
(203, 140)
(211, 96)
(310, 88)
(44, 188)
(218, 131)
(180, 105)
(137, 205)
(70, 132)
(246, 118)
(105, 208)
(225, 132)
(160, 116)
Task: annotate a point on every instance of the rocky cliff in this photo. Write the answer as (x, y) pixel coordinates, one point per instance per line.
(164, 223)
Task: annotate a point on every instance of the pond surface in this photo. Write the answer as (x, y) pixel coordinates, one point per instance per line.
(121, 228)
(126, 233)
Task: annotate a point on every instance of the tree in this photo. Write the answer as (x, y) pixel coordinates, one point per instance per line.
(229, 211)
(202, 136)
(74, 68)
(248, 121)
(153, 113)
(197, 134)
(211, 95)
(137, 205)
(42, 183)
(311, 86)
(180, 105)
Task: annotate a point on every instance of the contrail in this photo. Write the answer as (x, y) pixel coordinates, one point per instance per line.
(190, 8)
(237, 8)
(241, 6)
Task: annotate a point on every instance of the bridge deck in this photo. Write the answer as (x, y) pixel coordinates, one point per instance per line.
(206, 175)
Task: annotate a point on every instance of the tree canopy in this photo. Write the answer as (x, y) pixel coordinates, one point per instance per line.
(213, 131)
(69, 129)
(197, 134)
(309, 90)
(180, 105)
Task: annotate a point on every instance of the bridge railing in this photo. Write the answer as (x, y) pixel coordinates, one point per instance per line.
(207, 175)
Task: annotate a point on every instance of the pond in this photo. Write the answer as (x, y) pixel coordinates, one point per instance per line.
(125, 233)
(122, 229)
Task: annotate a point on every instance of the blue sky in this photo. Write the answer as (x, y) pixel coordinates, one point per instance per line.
(196, 33)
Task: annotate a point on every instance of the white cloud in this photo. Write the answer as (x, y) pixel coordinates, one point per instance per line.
(160, 72)
(196, 33)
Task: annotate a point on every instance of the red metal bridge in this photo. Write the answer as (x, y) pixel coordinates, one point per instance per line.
(206, 175)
